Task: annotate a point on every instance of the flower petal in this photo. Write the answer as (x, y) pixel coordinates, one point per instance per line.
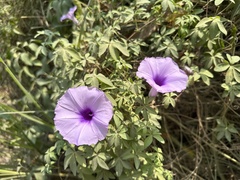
(153, 92)
(72, 10)
(65, 16)
(70, 15)
(66, 126)
(68, 102)
(91, 133)
(163, 74)
(72, 123)
(177, 81)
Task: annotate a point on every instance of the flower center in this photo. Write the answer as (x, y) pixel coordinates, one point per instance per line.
(87, 114)
(159, 80)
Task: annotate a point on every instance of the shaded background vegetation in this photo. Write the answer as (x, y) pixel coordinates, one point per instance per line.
(200, 126)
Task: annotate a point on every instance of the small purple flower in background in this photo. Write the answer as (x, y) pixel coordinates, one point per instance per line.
(70, 15)
(82, 115)
(163, 74)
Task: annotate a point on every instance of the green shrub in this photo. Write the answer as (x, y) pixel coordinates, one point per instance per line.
(104, 51)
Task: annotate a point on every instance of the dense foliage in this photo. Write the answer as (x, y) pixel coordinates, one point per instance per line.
(191, 135)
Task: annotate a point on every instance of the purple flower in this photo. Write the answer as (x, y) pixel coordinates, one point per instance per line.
(163, 74)
(70, 15)
(82, 115)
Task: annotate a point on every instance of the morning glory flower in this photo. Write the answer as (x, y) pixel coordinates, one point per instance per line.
(70, 15)
(163, 75)
(82, 115)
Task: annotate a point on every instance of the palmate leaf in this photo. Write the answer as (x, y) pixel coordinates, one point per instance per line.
(73, 166)
(119, 167)
(114, 54)
(236, 75)
(26, 59)
(206, 73)
(221, 27)
(102, 49)
(229, 75)
(28, 72)
(74, 54)
(227, 135)
(168, 4)
(136, 162)
(80, 158)
(205, 79)
(102, 164)
(233, 59)
(159, 138)
(213, 29)
(148, 141)
(104, 79)
(71, 159)
(222, 67)
(94, 163)
(220, 135)
(110, 98)
(203, 22)
(232, 129)
(121, 47)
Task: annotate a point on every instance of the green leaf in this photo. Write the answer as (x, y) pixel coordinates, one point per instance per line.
(213, 30)
(136, 162)
(232, 129)
(205, 79)
(121, 47)
(102, 164)
(102, 49)
(27, 71)
(236, 75)
(221, 27)
(104, 79)
(148, 141)
(68, 159)
(95, 82)
(80, 159)
(42, 82)
(73, 166)
(233, 59)
(237, 67)
(119, 167)
(110, 98)
(113, 52)
(159, 138)
(125, 136)
(227, 135)
(141, 2)
(221, 67)
(33, 47)
(196, 76)
(206, 72)
(220, 135)
(229, 75)
(73, 53)
(203, 22)
(126, 164)
(44, 50)
(218, 2)
(127, 155)
(168, 4)
(26, 59)
(94, 163)
(116, 120)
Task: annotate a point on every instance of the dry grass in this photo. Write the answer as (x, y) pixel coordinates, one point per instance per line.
(192, 150)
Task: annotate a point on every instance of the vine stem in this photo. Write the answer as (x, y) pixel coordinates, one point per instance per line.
(82, 24)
